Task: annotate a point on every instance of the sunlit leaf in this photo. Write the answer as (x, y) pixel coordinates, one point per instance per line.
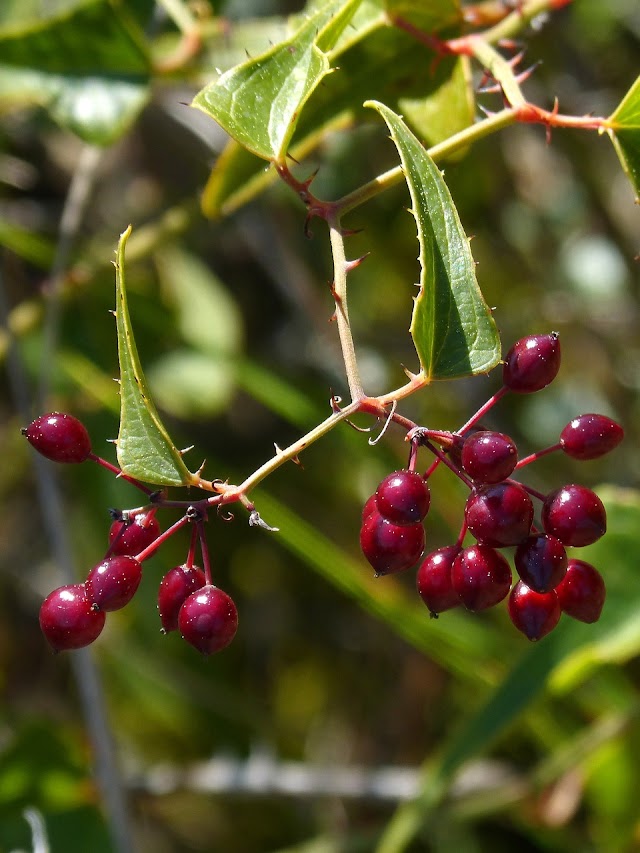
(625, 134)
(86, 65)
(259, 102)
(452, 327)
(144, 448)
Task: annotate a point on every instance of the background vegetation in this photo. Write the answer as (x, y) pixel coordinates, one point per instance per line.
(507, 744)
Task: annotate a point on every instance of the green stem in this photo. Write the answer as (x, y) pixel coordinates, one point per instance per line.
(449, 146)
(181, 15)
(340, 270)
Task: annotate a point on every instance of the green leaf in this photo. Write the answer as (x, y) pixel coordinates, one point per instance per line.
(427, 17)
(259, 102)
(374, 61)
(452, 327)
(144, 448)
(624, 126)
(86, 65)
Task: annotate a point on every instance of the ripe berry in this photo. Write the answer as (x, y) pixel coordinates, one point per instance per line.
(533, 613)
(500, 514)
(112, 583)
(175, 587)
(434, 580)
(68, 619)
(59, 437)
(208, 619)
(403, 497)
(582, 592)
(391, 547)
(132, 536)
(481, 577)
(541, 561)
(532, 363)
(590, 436)
(369, 507)
(575, 515)
(489, 457)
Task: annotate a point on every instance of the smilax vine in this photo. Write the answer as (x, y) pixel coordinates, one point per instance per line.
(276, 108)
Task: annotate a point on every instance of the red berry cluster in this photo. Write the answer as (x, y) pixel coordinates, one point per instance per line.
(74, 615)
(499, 513)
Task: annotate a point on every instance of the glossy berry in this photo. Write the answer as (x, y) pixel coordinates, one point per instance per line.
(403, 497)
(391, 547)
(541, 561)
(434, 581)
(481, 577)
(532, 363)
(369, 507)
(68, 619)
(132, 536)
(582, 592)
(575, 515)
(533, 613)
(489, 457)
(175, 587)
(59, 437)
(590, 436)
(208, 619)
(500, 514)
(112, 583)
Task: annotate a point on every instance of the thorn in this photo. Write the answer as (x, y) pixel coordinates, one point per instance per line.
(350, 232)
(311, 178)
(334, 402)
(494, 89)
(375, 440)
(335, 294)
(516, 59)
(333, 317)
(408, 373)
(524, 75)
(487, 112)
(351, 265)
(186, 450)
(279, 451)
(201, 467)
(296, 461)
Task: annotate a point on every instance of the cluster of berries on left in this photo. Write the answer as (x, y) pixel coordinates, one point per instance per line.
(74, 615)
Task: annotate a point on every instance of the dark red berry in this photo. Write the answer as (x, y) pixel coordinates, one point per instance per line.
(533, 613)
(68, 619)
(434, 581)
(532, 363)
(575, 515)
(59, 437)
(369, 507)
(590, 436)
(541, 561)
(403, 497)
(175, 587)
(112, 583)
(489, 457)
(481, 577)
(499, 515)
(208, 619)
(582, 592)
(391, 547)
(130, 537)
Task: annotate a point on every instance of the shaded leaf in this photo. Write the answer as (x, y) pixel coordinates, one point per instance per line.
(144, 448)
(259, 102)
(87, 66)
(452, 327)
(625, 134)
(427, 17)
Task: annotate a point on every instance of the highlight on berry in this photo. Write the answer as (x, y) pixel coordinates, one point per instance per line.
(508, 529)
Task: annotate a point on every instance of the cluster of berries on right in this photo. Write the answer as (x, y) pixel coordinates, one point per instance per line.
(499, 513)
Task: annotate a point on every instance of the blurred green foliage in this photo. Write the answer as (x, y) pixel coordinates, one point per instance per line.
(527, 747)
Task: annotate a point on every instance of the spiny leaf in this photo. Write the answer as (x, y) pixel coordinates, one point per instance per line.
(259, 102)
(624, 130)
(144, 448)
(452, 328)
